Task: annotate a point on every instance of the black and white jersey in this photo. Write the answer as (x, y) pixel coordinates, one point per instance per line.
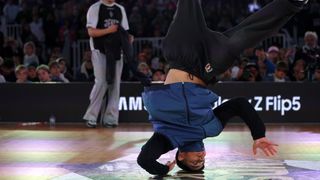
(101, 16)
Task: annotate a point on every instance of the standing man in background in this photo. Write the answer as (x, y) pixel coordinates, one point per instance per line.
(105, 19)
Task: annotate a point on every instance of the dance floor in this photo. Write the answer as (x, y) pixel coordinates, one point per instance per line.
(73, 152)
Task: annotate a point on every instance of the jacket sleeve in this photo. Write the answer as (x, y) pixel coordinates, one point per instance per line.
(156, 146)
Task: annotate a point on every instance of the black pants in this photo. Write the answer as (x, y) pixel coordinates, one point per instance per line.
(191, 46)
(242, 108)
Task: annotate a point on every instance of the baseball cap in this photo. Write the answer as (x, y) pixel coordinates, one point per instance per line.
(273, 49)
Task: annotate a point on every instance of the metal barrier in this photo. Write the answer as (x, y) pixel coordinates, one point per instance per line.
(80, 46)
(78, 49)
(280, 40)
(155, 43)
(13, 30)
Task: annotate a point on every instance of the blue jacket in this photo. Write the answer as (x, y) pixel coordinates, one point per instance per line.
(183, 113)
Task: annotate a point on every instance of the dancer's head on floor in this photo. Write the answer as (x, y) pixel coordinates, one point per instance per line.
(191, 161)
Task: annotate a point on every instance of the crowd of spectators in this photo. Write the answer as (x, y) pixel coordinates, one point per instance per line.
(56, 23)
(299, 64)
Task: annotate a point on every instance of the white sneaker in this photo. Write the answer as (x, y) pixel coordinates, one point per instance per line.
(91, 124)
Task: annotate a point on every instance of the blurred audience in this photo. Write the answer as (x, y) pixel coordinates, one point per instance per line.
(48, 29)
(55, 73)
(158, 75)
(64, 70)
(86, 70)
(2, 79)
(21, 72)
(299, 73)
(310, 53)
(32, 72)
(30, 56)
(7, 70)
(43, 73)
(280, 74)
(316, 75)
(274, 54)
(145, 69)
(262, 59)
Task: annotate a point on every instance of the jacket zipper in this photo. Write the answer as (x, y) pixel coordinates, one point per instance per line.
(187, 104)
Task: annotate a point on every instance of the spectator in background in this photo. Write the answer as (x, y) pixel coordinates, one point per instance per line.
(11, 48)
(32, 72)
(7, 70)
(30, 56)
(274, 54)
(145, 69)
(238, 68)
(310, 53)
(263, 69)
(142, 57)
(105, 37)
(158, 75)
(135, 19)
(316, 75)
(251, 73)
(26, 34)
(2, 43)
(43, 73)
(226, 76)
(86, 71)
(148, 52)
(55, 53)
(10, 11)
(64, 68)
(25, 15)
(163, 64)
(55, 73)
(2, 79)
(36, 27)
(158, 63)
(299, 74)
(155, 63)
(280, 74)
(285, 55)
(249, 53)
(16, 59)
(262, 59)
(235, 71)
(50, 29)
(22, 74)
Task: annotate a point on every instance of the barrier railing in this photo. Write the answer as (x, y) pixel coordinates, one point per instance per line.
(80, 46)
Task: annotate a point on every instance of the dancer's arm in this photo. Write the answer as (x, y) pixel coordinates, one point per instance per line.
(156, 146)
(242, 108)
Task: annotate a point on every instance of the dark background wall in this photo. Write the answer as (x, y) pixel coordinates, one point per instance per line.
(275, 102)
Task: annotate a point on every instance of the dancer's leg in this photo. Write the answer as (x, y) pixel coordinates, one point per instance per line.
(250, 32)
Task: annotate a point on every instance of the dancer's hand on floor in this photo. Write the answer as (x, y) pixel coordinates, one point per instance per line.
(265, 145)
(171, 165)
